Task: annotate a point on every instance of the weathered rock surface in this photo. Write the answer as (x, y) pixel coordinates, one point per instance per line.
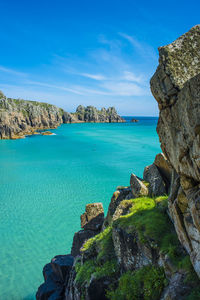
(156, 183)
(93, 217)
(176, 87)
(164, 168)
(138, 188)
(91, 222)
(122, 193)
(19, 117)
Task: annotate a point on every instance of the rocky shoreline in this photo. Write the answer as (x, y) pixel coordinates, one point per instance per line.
(19, 118)
(148, 245)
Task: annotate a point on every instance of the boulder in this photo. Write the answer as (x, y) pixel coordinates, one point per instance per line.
(56, 276)
(156, 183)
(93, 217)
(138, 188)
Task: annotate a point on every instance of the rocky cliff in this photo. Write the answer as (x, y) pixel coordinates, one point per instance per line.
(148, 245)
(176, 87)
(19, 117)
(92, 114)
(134, 253)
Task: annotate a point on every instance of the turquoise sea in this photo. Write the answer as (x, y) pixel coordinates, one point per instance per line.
(45, 183)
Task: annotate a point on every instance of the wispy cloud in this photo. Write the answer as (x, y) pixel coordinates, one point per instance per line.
(11, 71)
(53, 86)
(124, 89)
(142, 48)
(93, 76)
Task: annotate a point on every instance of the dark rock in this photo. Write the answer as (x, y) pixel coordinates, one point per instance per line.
(134, 121)
(61, 265)
(79, 238)
(56, 276)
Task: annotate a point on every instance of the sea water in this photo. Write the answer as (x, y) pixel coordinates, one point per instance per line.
(45, 183)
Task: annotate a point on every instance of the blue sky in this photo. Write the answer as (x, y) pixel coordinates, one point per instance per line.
(89, 52)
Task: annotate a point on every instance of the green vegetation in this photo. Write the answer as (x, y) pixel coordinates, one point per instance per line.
(103, 242)
(146, 283)
(104, 263)
(92, 267)
(149, 219)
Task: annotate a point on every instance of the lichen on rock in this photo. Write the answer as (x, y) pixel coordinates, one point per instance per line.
(176, 87)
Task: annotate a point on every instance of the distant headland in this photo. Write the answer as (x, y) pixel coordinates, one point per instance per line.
(19, 118)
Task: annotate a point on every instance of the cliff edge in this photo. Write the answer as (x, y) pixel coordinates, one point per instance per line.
(19, 118)
(176, 87)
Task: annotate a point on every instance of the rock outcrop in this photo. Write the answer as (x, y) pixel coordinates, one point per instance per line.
(92, 114)
(176, 87)
(135, 252)
(19, 118)
(91, 222)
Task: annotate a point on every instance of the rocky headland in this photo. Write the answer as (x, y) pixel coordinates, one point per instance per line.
(19, 118)
(148, 245)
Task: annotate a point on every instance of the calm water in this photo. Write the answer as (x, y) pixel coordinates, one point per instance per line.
(46, 182)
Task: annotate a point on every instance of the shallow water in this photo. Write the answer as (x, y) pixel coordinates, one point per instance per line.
(46, 182)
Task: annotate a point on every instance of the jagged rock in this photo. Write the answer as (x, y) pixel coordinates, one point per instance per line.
(122, 193)
(122, 209)
(68, 118)
(79, 238)
(56, 276)
(156, 184)
(164, 168)
(176, 87)
(130, 253)
(137, 187)
(92, 114)
(93, 217)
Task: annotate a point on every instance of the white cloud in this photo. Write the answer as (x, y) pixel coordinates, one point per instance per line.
(124, 89)
(93, 76)
(130, 76)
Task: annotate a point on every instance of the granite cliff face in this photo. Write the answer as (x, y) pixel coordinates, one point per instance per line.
(176, 87)
(19, 117)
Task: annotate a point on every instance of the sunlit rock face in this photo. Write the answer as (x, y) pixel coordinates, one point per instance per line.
(176, 87)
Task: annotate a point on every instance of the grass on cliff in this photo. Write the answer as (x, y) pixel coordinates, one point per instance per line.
(148, 217)
(146, 283)
(93, 268)
(100, 263)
